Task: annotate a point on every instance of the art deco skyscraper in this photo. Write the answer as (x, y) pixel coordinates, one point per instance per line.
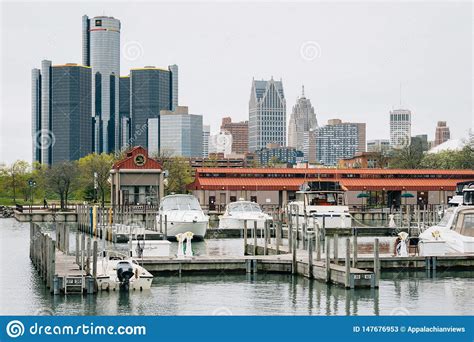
(302, 122)
(101, 51)
(442, 133)
(267, 114)
(400, 128)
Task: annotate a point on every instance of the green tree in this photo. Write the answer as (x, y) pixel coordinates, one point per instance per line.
(94, 170)
(16, 176)
(179, 174)
(408, 157)
(62, 179)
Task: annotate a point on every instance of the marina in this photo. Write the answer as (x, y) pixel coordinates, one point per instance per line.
(415, 292)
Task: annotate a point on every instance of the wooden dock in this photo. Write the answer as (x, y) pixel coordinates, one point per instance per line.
(62, 273)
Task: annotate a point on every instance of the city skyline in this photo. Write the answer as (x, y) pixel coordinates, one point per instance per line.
(59, 47)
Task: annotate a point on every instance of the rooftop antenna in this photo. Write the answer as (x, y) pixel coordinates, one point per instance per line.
(400, 94)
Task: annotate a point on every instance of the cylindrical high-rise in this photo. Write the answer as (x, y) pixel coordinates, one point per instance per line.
(101, 51)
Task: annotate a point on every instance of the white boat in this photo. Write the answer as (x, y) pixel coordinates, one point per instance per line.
(322, 203)
(121, 273)
(454, 233)
(238, 212)
(183, 214)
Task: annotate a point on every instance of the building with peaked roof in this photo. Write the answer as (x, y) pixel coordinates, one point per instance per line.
(136, 179)
(277, 186)
(267, 114)
(301, 128)
(442, 133)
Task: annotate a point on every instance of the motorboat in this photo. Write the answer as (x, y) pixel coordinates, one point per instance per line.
(320, 202)
(117, 272)
(454, 233)
(236, 213)
(183, 214)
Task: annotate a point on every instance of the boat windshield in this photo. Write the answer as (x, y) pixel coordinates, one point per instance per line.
(244, 207)
(322, 198)
(180, 203)
(445, 220)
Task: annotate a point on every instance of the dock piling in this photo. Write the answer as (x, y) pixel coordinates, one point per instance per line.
(245, 237)
(255, 227)
(347, 282)
(310, 255)
(336, 249)
(328, 260)
(376, 262)
(354, 249)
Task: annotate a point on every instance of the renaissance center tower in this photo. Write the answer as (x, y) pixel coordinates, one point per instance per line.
(101, 52)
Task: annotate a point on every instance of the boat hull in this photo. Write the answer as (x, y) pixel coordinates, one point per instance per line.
(238, 223)
(197, 228)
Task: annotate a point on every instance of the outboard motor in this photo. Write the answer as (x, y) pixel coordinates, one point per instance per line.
(124, 273)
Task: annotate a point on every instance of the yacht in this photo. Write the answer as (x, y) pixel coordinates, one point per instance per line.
(323, 201)
(183, 214)
(238, 212)
(454, 233)
(121, 273)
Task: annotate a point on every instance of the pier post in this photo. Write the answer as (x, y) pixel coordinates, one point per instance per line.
(77, 248)
(265, 237)
(278, 236)
(304, 231)
(161, 223)
(52, 264)
(88, 253)
(310, 255)
(376, 262)
(328, 259)
(347, 278)
(354, 249)
(318, 243)
(166, 227)
(255, 237)
(336, 250)
(293, 261)
(245, 237)
(290, 229)
(94, 262)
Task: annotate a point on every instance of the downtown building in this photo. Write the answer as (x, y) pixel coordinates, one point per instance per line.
(338, 140)
(101, 51)
(301, 128)
(240, 135)
(442, 133)
(378, 145)
(150, 90)
(206, 132)
(181, 133)
(62, 123)
(267, 114)
(400, 128)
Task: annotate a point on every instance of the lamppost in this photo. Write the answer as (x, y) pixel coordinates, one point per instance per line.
(31, 184)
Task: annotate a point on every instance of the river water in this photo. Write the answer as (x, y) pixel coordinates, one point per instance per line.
(415, 293)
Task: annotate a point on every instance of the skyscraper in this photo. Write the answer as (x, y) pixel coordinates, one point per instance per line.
(36, 113)
(174, 86)
(267, 114)
(101, 51)
(150, 92)
(240, 134)
(302, 123)
(339, 140)
(62, 129)
(400, 128)
(206, 132)
(181, 133)
(124, 112)
(442, 133)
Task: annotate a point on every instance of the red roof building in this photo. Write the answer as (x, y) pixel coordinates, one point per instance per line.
(136, 179)
(277, 186)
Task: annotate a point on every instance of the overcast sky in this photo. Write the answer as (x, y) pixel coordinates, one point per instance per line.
(351, 57)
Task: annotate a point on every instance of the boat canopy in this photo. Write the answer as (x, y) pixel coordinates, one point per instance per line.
(243, 206)
(180, 202)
